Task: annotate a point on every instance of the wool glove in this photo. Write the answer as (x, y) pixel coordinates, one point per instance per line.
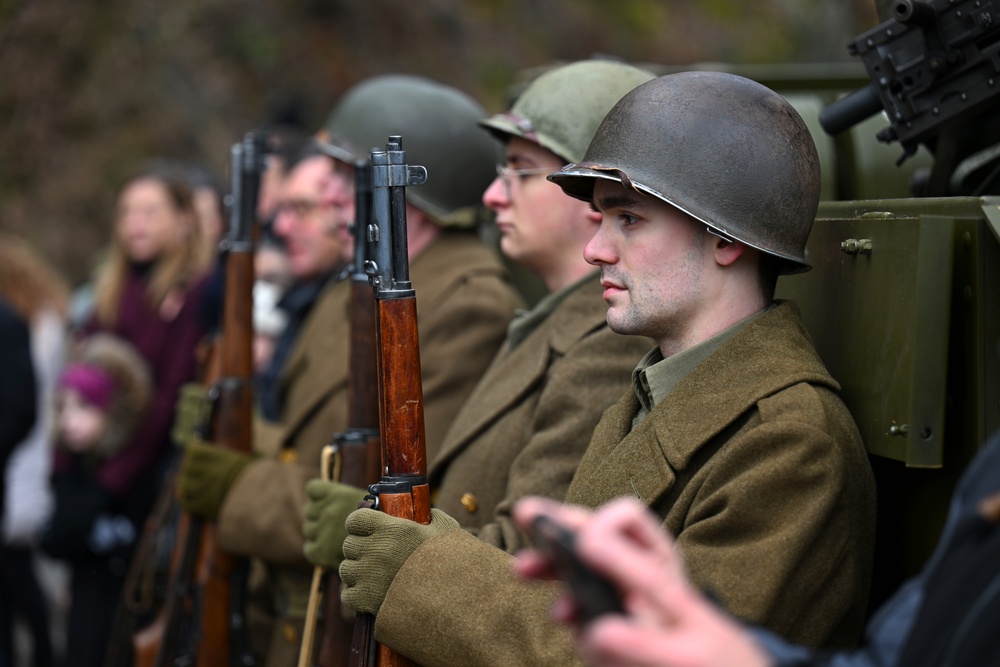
(324, 529)
(205, 476)
(189, 413)
(376, 547)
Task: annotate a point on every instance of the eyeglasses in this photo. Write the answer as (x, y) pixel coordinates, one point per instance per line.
(505, 173)
(300, 208)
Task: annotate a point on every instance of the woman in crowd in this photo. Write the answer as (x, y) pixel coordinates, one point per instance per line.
(36, 291)
(148, 292)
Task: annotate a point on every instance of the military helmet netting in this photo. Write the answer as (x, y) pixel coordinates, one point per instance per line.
(439, 127)
(724, 149)
(562, 108)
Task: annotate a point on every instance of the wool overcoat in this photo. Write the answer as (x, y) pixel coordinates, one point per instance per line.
(527, 423)
(752, 462)
(464, 302)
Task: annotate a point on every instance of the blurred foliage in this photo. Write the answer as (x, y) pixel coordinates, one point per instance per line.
(91, 90)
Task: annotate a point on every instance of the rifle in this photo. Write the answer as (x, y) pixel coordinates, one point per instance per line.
(355, 453)
(403, 490)
(205, 623)
(935, 64)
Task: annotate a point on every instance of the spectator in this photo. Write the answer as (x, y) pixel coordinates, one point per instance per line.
(39, 294)
(17, 403)
(101, 402)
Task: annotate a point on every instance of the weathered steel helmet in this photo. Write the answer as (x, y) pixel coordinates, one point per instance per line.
(724, 149)
(562, 108)
(439, 126)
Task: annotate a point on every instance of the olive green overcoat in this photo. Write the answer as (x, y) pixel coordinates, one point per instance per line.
(464, 302)
(754, 464)
(527, 423)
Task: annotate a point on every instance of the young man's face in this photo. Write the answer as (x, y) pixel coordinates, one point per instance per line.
(653, 260)
(536, 220)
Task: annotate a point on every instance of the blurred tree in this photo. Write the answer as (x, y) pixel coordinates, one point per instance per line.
(92, 89)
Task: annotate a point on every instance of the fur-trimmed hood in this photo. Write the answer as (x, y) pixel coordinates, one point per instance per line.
(133, 387)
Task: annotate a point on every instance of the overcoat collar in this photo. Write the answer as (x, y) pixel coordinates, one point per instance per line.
(770, 355)
(515, 373)
(328, 325)
(319, 342)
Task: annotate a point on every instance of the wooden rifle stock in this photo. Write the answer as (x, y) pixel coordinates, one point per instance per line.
(206, 625)
(355, 453)
(148, 644)
(403, 490)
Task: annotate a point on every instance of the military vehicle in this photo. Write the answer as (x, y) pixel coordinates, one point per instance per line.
(903, 300)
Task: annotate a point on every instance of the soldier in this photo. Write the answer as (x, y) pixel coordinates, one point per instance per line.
(466, 300)
(946, 615)
(732, 431)
(318, 245)
(525, 426)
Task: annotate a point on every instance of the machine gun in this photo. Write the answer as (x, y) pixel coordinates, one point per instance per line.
(935, 71)
(204, 622)
(354, 456)
(403, 490)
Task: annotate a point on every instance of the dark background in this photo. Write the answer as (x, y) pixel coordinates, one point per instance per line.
(91, 89)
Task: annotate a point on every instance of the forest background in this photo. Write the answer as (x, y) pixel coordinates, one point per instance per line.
(92, 89)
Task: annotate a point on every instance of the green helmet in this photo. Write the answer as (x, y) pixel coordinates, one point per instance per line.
(439, 129)
(722, 148)
(562, 108)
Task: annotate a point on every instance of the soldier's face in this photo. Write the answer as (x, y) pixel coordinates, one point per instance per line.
(539, 225)
(653, 260)
(313, 228)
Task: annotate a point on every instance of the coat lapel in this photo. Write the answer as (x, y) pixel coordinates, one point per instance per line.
(771, 354)
(321, 339)
(513, 374)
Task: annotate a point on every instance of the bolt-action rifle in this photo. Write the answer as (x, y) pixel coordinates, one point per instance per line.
(935, 71)
(355, 456)
(204, 611)
(403, 490)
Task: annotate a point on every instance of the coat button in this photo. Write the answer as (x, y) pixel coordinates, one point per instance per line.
(469, 502)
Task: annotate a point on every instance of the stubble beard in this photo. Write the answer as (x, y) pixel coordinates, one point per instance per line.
(622, 317)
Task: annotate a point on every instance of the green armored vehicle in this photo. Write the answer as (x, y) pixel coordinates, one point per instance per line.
(903, 301)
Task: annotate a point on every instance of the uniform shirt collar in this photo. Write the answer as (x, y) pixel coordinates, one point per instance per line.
(527, 321)
(655, 377)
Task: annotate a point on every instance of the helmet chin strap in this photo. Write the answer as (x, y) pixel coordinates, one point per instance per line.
(715, 232)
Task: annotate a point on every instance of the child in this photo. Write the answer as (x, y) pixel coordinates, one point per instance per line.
(100, 401)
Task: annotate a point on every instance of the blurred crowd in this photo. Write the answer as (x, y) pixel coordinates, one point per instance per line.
(89, 402)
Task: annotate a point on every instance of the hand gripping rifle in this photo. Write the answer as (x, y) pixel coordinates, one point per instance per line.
(205, 623)
(935, 71)
(354, 456)
(402, 490)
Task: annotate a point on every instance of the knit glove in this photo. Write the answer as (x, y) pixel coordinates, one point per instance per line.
(205, 476)
(324, 529)
(189, 412)
(376, 547)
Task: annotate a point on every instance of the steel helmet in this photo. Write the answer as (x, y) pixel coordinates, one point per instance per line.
(439, 126)
(722, 148)
(562, 108)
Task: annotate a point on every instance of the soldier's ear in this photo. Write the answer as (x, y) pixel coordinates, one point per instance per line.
(727, 251)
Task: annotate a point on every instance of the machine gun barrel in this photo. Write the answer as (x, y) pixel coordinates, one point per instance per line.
(935, 64)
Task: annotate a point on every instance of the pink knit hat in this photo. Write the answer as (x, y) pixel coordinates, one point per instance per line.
(95, 384)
